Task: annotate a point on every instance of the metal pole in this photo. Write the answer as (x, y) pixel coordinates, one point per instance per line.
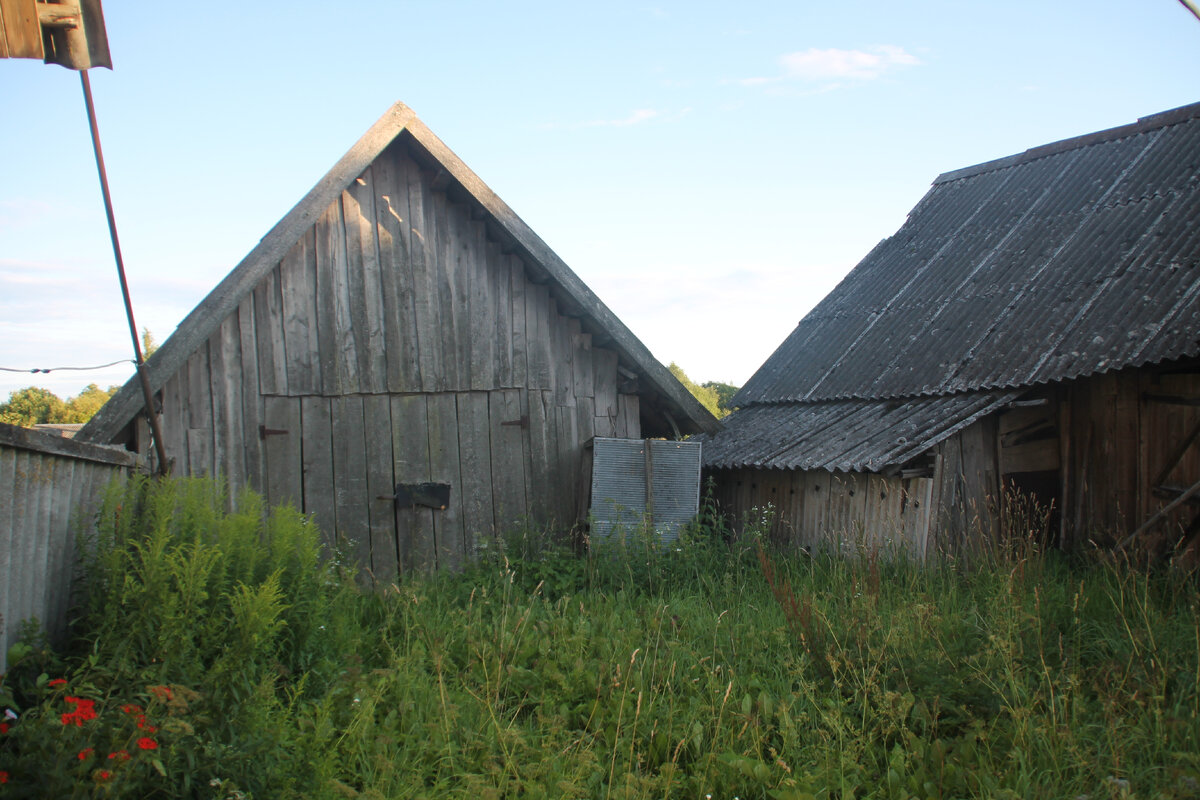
(147, 393)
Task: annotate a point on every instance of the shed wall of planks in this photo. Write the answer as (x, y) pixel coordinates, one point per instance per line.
(395, 343)
(817, 508)
(50, 489)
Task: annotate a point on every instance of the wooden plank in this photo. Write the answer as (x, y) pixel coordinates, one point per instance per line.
(444, 468)
(537, 337)
(584, 368)
(500, 300)
(377, 421)
(252, 402)
(20, 31)
(174, 422)
(542, 468)
(817, 517)
(266, 324)
(569, 452)
(365, 283)
(475, 466)
(455, 334)
(604, 381)
(328, 335)
(282, 463)
(509, 455)
(840, 523)
(415, 542)
(948, 520)
(200, 414)
(301, 291)
(226, 378)
(919, 514)
(337, 323)
(426, 298)
(396, 278)
(351, 501)
(482, 319)
(518, 306)
(316, 450)
(562, 357)
(629, 419)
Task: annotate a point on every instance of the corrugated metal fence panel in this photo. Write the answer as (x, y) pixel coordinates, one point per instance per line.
(676, 487)
(619, 485)
(49, 487)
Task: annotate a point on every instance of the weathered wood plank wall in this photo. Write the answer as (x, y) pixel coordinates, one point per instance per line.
(395, 342)
(49, 489)
(810, 508)
(1132, 440)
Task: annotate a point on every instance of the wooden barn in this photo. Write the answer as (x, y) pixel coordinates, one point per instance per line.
(1034, 325)
(402, 332)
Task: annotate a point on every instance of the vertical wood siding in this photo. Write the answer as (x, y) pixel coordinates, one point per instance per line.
(49, 491)
(815, 508)
(396, 343)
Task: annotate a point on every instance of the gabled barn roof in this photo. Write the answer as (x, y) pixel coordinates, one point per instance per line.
(574, 298)
(1073, 258)
(1069, 259)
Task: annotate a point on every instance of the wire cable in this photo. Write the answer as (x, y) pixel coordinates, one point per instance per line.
(36, 370)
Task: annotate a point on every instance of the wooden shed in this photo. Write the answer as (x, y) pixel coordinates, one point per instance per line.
(1034, 325)
(401, 326)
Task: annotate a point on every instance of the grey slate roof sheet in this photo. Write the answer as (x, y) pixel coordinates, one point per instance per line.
(844, 435)
(1073, 258)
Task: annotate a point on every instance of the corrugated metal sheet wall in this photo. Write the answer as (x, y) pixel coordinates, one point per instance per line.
(48, 487)
(619, 485)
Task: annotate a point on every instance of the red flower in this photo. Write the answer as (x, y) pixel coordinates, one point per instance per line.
(3, 727)
(57, 682)
(3, 776)
(120, 755)
(84, 710)
(85, 753)
(130, 708)
(102, 775)
(146, 743)
(163, 693)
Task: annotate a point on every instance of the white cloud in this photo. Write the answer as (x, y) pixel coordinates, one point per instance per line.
(834, 64)
(637, 117)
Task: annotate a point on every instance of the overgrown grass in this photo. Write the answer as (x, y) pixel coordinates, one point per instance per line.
(709, 668)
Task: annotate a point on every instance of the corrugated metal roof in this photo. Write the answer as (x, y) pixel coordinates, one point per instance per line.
(1073, 258)
(845, 435)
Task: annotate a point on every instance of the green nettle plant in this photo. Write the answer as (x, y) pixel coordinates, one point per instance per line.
(217, 652)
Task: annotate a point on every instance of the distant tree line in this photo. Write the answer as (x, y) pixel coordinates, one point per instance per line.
(713, 395)
(34, 406)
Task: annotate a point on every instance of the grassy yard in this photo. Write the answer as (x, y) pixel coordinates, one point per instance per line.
(218, 655)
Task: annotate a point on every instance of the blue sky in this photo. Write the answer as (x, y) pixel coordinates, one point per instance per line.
(710, 170)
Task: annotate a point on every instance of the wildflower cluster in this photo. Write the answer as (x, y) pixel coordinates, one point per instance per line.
(103, 745)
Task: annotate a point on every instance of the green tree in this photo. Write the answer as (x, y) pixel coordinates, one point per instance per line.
(149, 344)
(32, 406)
(725, 393)
(707, 397)
(84, 405)
(35, 406)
